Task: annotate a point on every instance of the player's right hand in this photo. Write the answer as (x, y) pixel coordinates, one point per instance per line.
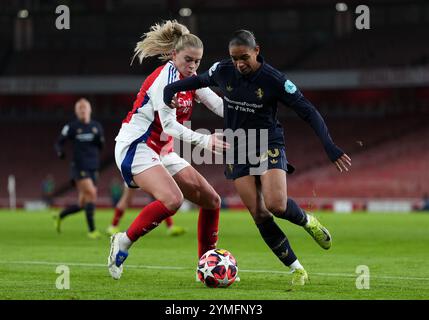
(216, 143)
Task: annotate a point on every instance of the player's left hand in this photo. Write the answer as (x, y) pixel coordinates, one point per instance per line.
(343, 163)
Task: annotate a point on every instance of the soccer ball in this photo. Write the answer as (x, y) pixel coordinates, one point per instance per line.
(217, 268)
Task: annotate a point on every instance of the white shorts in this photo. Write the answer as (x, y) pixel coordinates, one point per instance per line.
(134, 158)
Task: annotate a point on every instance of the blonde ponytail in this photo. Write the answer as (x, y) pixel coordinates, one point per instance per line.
(162, 39)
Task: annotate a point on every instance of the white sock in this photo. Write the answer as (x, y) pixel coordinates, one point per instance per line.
(124, 242)
(296, 265)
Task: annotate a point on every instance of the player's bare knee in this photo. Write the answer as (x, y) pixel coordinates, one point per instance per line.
(91, 195)
(121, 206)
(217, 201)
(173, 202)
(277, 208)
(214, 202)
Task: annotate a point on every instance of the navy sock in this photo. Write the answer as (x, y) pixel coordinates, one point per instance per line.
(89, 211)
(70, 210)
(277, 241)
(294, 213)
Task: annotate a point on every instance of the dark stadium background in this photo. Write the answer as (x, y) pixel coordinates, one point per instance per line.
(371, 86)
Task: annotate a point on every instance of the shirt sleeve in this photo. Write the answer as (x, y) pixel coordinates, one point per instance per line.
(211, 100)
(167, 75)
(292, 97)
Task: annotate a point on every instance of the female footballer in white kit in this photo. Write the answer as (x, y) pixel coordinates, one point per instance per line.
(144, 146)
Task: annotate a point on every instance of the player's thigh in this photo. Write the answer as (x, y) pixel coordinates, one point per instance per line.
(274, 190)
(157, 182)
(248, 188)
(196, 189)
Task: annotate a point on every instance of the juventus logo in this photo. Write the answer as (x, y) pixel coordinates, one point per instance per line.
(259, 93)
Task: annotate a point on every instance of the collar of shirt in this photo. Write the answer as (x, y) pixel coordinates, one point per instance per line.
(254, 75)
(177, 70)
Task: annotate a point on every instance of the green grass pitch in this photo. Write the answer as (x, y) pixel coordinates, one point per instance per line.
(393, 246)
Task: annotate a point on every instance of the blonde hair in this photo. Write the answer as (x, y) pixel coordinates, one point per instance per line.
(162, 39)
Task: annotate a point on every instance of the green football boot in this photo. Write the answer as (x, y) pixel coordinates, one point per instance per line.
(319, 233)
(94, 234)
(176, 231)
(57, 222)
(299, 277)
(111, 230)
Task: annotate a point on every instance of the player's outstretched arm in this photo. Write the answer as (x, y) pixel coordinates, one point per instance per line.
(292, 97)
(309, 113)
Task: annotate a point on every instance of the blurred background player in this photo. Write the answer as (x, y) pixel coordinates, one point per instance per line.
(115, 189)
(124, 202)
(88, 139)
(48, 187)
(425, 202)
(246, 80)
(144, 146)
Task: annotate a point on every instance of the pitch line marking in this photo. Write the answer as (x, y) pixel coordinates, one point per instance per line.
(100, 265)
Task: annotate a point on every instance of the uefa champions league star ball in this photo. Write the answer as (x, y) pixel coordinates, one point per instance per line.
(217, 268)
